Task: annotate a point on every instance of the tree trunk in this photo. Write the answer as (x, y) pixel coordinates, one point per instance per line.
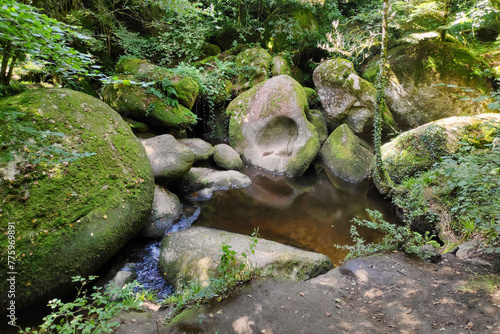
(6, 55)
(381, 176)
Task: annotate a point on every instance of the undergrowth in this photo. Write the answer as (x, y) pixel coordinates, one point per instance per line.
(395, 238)
(466, 184)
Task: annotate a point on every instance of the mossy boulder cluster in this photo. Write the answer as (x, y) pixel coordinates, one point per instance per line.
(75, 183)
(427, 80)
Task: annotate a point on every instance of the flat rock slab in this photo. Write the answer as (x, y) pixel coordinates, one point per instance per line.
(194, 254)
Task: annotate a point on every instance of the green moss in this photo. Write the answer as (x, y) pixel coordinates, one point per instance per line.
(187, 91)
(297, 165)
(71, 216)
(236, 111)
(432, 61)
(416, 152)
(347, 156)
(178, 117)
(280, 66)
(130, 65)
(211, 49)
(256, 63)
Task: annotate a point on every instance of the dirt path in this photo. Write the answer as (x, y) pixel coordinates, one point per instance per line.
(378, 294)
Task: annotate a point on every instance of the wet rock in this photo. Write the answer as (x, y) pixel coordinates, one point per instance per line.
(169, 159)
(207, 180)
(126, 275)
(347, 156)
(201, 149)
(166, 209)
(269, 129)
(194, 255)
(226, 157)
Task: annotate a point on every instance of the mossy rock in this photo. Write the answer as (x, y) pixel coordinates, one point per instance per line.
(424, 82)
(134, 101)
(136, 125)
(187, 90)
(317, 119)
(418, 149)
(280, 66)
(312, 98)
(210, 50)
(76, 193)
(347, 156)
(255, 65)
(133, 66)
(269, 128)
(193, 255)
(348, 98)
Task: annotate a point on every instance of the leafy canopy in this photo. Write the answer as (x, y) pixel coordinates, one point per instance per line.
(26, 33)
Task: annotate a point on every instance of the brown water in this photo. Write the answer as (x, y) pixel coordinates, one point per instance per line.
(313, 212)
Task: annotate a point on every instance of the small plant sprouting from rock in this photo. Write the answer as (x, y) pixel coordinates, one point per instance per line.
(395, 237)
(231, 271)
(88, 313)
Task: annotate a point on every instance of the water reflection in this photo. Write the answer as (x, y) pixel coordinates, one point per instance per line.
(313, 212)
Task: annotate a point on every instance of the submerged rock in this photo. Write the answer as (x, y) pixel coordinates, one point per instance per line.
(226, 157)
(77, 192)
(194, 255)
(347, 98)
(347, 156)
(166, 209)
(169, 159)
(269, 128)
(415, 70)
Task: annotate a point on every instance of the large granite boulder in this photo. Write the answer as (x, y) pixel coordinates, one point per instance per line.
(415, 70)
(169, 159)
(75, 184)
(194, 255)
(347, 98)
(269, 128)
(347, 156)
(165, 210)
(418, 149)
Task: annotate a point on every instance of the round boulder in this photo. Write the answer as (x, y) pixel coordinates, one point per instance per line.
(201, 149)
(76, 186)
(226, 157)
(269, 128)
(169, 159)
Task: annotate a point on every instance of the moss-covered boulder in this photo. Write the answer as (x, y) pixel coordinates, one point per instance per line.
(418, 149)
(269, 128)
(317, 119)
(416, 69)
(75, 185)
(347, 156)
(193, 255)
(347, 98)
(134, 101)
(169, 159)
(136, 126)
(254, 64)
(280, 66)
